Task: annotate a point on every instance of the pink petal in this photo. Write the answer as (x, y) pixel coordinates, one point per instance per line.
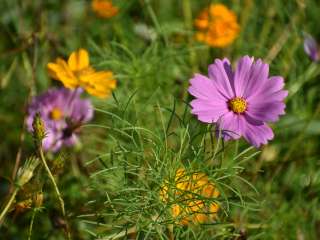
(70, 141)
(52, 141)
(270, 97)
(82, 110)
(231, 126)
(204, 88)
(272, 85)
(208, 111)
(242, 75)
(266, 111)
(258, 77)
(221, 73)
(257, 135)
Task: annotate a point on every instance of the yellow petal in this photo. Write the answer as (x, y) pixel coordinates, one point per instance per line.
(54, 68)
(62, 72)
(214, 208)
(182, 180)
(104, 8)
(98, 84)
(101, 77)
(200, 218)
(179, 214)
(101, 94)
(78, 60)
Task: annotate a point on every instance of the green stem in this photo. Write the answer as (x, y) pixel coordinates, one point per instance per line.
(55, 186)
(120, 235)
(53, 181)
(236, 150)
(156, 22)
(31, 223)
(6, 208)
(187, 14)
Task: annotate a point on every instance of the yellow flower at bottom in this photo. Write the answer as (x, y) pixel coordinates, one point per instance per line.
(104, 8)
(77, 72)
(189, 194)
(217, 26)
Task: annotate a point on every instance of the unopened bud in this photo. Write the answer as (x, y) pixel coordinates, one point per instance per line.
(38, 199)
(38, 128)
(25, 173)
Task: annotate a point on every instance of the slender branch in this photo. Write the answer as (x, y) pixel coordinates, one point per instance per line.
(171, 234)
(31, 90)
(155, 21)
(121, 234)
(31, 223)
(53, 181)
(55, 186)
(8, 205)
(18, 156)
(187, 14)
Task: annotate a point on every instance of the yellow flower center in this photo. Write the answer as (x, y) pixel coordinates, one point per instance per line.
(238, 105)
(56, 114)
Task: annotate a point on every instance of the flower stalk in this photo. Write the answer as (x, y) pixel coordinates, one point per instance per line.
(8, 205)
(39, 134)
(24, 175)
(51, 177)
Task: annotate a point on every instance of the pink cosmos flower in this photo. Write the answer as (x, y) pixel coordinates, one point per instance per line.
(240, 102)
(63, 112)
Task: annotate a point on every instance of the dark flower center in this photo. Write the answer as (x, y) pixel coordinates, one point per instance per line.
(237, 105)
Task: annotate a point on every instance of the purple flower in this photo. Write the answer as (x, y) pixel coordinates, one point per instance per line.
(62, 112)
(240, 101)
(311, 48)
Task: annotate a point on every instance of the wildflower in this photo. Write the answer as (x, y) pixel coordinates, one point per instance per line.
(240, 101)
(77, 72)
(311, 48)
(104, 8)
(62, 112)
(189, 194)
(217, 26)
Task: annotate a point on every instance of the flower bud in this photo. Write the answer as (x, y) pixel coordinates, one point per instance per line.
(25, 173)
(38, 129)
(38, 199)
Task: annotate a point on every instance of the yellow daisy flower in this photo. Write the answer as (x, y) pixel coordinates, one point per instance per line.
(217, 26)
(77, 72)
(104, 8)
(186, 192)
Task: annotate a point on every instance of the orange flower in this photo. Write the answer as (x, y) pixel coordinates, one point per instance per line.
(77, 72)
(188, 194)
(104, 8)
(217, 26)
